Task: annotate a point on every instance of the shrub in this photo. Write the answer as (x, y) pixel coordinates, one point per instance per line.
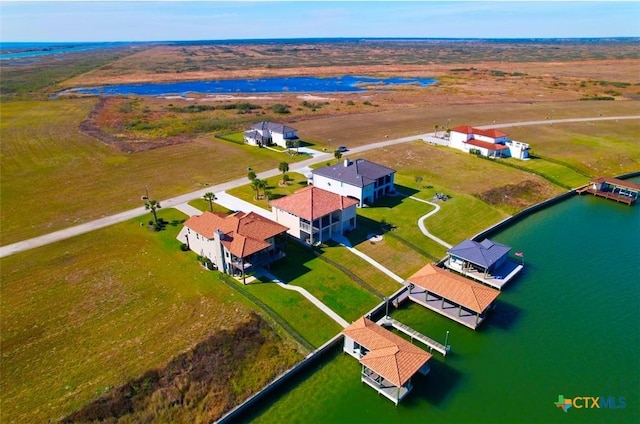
(184, 247)
(280, 108)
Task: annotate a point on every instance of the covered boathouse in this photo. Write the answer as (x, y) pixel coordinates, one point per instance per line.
(451, 295)
(612, 188)
(388, 361)
(487, 262)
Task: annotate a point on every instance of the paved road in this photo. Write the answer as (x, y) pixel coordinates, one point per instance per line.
(178, 200)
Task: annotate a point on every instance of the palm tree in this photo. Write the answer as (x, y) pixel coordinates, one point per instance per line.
(261, 185)
(255, 186)
(435, 127)
(284, 167)
(252, 176)
(210, 197)
(337, 154)
(153, 206)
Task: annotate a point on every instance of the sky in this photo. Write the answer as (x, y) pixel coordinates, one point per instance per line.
(73, 21)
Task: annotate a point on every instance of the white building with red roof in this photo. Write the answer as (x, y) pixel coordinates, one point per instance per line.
(489, 143)
(237, 243)
(315, 215)
(388, 361)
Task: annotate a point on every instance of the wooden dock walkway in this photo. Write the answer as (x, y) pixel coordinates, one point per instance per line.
(433, 345)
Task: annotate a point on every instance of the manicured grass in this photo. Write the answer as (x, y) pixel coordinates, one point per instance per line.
(362, 270)
(203, 205)
(90, 313)
(554, 171)
(309, 321)
(53, 176)
(334, 288)
(277, 190)
(604, 148)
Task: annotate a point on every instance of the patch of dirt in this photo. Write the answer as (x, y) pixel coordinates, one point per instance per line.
(518, 196)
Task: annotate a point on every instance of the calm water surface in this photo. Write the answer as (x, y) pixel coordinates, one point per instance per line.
(347, 83)
(568, 326)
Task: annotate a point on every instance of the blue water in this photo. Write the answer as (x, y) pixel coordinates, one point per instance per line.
(13, 51)
(567, 326)
(340, 84)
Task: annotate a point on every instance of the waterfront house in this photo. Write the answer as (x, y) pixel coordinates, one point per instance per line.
(265, 133)
(486, 261)
(388, 361)
(451, 295)
(361, 179)
(315, 215)
(489, 143)
(235, 244)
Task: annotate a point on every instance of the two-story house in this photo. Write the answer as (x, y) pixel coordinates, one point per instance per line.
(314, 215)
(489, 143)
(361, 179)
(235, 244)
(265, 133)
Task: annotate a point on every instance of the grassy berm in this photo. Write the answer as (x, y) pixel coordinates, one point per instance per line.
(196, 386)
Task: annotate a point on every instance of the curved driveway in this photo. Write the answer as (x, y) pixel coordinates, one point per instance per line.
(174, 201)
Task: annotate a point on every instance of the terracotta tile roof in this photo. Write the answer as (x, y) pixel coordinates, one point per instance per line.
(487, 145)
(312, 202)
(389, 355)
(466, 129)
(617, 182)
(245, 233)
(471, 295)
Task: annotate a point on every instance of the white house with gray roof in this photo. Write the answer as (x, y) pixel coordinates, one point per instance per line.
(360, 179)
(265, 133)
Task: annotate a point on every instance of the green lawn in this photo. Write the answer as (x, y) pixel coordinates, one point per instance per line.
(203, 205)
(305, 318)
(333, 287)
(366, 274)
(80, 316)
(554, 171)
(277, 190)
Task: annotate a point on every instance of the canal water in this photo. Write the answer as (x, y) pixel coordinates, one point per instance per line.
(569, 325)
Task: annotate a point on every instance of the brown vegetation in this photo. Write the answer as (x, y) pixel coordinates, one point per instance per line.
(196, 386)
(518, 196)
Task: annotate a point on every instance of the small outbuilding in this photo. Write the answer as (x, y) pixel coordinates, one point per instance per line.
(486, 261)
(388, 361)
(451, 295)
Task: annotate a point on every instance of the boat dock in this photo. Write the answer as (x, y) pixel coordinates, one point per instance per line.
(612, 188)
(433, 345)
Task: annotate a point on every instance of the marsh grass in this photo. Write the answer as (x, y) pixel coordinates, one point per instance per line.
(90, 313)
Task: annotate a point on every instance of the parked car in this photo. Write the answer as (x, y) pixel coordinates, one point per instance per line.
(342, 149)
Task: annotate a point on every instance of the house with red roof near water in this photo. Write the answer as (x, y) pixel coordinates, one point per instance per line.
(235, 244)
(314, 215)
(490, 143)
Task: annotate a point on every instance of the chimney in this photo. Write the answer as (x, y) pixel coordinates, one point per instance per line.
(346, 162)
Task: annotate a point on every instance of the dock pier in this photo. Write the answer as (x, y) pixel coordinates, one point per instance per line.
(433, 345)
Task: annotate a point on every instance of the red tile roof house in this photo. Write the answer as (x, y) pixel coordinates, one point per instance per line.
(489, 143)
(236, 244)
(361, 179)
(388, 361)
(314, 215)
(265, 133)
